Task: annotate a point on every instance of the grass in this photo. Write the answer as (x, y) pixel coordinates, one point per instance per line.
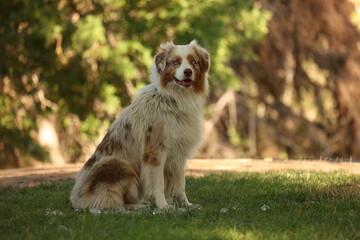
(302, 205)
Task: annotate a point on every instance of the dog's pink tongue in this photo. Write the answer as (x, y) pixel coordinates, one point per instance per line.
(186, 83)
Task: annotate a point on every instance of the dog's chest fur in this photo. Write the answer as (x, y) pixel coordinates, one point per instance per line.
(179, 115)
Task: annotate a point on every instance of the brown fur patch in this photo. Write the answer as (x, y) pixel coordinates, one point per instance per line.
(150, 157)
(199, 84)
(168, 74)
(192, 57)
(199, 80)
(91, 161)
(111, 171)
(177, 59)
(153, 145)
(160, 61)
(202, 66)
(204, 59)
(109, 145)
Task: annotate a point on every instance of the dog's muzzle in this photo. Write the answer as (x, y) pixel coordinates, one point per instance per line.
(184, 83)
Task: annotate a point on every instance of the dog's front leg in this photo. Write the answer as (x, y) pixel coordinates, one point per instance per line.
(152, 180)
(176, 183)
(181, 195)
(153, 162)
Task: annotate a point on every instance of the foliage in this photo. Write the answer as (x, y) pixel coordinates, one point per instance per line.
(306, 74)
(289, 82)
(297, 98)
(300, 205)
(82, 61)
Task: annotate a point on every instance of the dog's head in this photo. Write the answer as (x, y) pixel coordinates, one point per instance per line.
(182, 67)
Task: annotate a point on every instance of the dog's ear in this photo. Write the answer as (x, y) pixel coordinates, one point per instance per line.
(166, 46)
(160, 58)
(160, 61)
(204, 56)
(204, 61)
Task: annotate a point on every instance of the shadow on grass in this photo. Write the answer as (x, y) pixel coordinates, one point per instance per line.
(274, 205)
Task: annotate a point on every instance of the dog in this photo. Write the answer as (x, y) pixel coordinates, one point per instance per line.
(142, 157)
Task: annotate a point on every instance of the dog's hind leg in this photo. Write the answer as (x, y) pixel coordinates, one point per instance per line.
(108, 184)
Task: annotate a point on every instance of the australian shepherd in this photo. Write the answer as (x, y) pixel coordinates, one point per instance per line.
(142, 157)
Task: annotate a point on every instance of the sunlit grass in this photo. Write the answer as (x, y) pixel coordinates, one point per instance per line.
(301, 205)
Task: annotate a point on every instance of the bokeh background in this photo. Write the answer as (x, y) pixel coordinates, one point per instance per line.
(285, 76)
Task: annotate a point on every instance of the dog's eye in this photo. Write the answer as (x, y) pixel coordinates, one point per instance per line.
(175, 62)
(193, 62)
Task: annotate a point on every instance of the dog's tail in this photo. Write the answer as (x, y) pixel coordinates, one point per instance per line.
(108, 184)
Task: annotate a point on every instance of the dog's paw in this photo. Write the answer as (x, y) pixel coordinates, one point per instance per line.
(169, 207)
(184, 204)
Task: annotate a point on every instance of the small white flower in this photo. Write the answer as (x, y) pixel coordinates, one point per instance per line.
(238, 208)
(182, 210)
(62, 227)
(196, 206)
(157, 211)
(108, 212)
(265, 207)
(95, 211)
(54, 212)
(120, 209)
(224, 210)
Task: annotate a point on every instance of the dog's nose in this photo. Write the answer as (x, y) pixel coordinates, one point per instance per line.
(188, 72)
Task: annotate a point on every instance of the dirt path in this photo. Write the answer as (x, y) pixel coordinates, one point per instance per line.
(27, 177)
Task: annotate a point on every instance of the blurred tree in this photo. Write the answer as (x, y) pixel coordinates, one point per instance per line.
(284, 78)
(304, 100)
(78, 62)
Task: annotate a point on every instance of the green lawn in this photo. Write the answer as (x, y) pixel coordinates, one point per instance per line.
(301, 205)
